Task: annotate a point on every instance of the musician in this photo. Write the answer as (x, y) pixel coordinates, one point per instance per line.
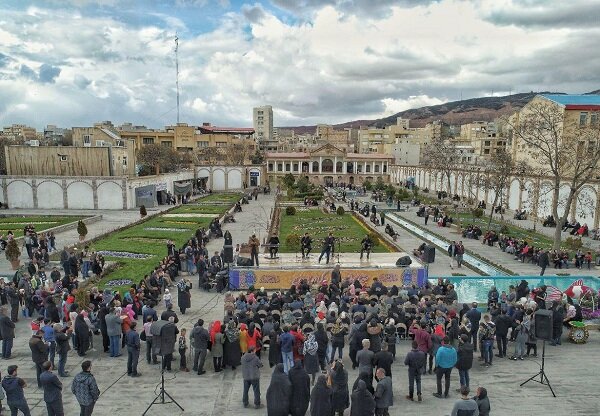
(365, 245)
(254, 244)
(328, 244)
(306, 245)
(273, 245)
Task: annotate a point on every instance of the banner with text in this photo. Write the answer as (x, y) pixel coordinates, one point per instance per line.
(284, 279)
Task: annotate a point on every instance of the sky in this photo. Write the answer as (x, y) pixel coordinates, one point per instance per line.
(76, 62)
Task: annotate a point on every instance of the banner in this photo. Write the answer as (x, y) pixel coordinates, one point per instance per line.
(284, 279)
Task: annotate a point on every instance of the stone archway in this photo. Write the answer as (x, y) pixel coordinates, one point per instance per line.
(327, 165)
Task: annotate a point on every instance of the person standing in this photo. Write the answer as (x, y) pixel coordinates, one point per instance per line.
(460, 251)
(340, 398)
(254, 244)
(15, 397)
(503, 323)
(328, 244)
(217, 339)
(483, 401)
(445, 359)
(363, 402)
(150, 355)
(300, 389)
(7, 332)
(416, 361)
(543, 261)
(39, 353)
(113, 330)
(279, 393)
(306, 245)
(365, 358)
(85, 389)
(465, 406)
(384, 395)
(320, 398)
(384, 359)
(184, 297)
(487, 329)
(50, 339)
(199, 338)
(474, 317)
(62, 347)
(132, 340)
(13, 299)
(452, 252)
(52, 390)
(464, 359)
(251, 365)
(286, 345)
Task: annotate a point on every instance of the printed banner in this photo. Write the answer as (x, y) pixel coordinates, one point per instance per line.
(284, 279)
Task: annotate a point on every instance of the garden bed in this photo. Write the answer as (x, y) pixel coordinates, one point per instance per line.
(41, 223)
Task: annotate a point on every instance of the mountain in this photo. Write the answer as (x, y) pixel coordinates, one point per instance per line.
(455, 112)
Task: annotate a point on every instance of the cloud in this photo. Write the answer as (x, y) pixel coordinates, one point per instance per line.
(544, 14)
(254, 13)
(48, 73)
(81, 81)
(27, 72)
(393, 106)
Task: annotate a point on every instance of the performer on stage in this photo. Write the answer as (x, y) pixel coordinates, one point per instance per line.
(328, 244)
(306, 245)
(365, 245)
(273, 245)
(254, 244)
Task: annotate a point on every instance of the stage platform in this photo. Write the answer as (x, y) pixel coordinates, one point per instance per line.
(289, 269)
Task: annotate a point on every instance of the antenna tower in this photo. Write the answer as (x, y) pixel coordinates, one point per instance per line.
(177, 72)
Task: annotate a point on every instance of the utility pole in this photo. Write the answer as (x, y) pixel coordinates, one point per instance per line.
(177, 72)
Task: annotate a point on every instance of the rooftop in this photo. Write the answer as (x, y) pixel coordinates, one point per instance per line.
(233, 130)
(573, 99)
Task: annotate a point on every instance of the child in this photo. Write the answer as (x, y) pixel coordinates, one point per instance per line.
(36, 324)
(182, 351)
(167, 298)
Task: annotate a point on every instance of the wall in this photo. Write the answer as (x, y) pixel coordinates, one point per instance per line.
(228, 178)
(46, 160)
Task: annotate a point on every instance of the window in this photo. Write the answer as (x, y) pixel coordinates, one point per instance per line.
(270, 167)
(486, 143)
(167, 144)
(486, 151)
(287, 167)
(295, 167)
(87, 139)
(385, 167)
(368, 169)
(280, 167)
(594, 119)
(124, 160)
(202, 144)
(147, 140)
(63, 158)
(221, 144)
(376, 168)
(583, 119)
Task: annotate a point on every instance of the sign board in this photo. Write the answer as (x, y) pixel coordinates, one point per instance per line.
(254, 173)
(284, 279)
(162, 186)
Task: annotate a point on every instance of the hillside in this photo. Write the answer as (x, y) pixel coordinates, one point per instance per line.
(455, 112)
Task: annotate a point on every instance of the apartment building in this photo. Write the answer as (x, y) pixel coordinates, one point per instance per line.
(484, 137)
(19, 132)
(262, 118)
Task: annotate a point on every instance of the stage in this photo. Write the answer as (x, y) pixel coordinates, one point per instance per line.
(289, 269)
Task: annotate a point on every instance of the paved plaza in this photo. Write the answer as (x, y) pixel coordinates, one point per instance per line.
(571, 368)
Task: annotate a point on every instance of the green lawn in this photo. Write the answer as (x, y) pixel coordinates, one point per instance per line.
(138, 239)
(41, 223)
(318, 225)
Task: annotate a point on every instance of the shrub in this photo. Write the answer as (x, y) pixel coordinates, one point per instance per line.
(292, 240)
(426, 190)
(504, 229)
(368, 185)
(477, 212)
(82, 228)
(143, 211)
(290, 211)
(12, 251)
(573, 243)
(340, 210)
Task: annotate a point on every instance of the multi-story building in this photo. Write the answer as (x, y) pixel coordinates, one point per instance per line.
(54, 135)
(326, 134)
(328, 165)
(19, 133)
(263, 126)
(483, 137)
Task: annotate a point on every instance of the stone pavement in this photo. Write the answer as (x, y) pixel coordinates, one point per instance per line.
(492, 254)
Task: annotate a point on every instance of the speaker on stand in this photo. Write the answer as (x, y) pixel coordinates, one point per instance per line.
(542, 327)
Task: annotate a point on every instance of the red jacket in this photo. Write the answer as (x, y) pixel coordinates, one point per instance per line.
(423, 339)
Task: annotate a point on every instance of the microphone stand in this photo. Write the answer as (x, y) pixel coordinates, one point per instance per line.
(161, 395)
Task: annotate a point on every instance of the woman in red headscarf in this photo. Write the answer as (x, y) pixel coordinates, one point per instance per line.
(215, 327)
(254, 339)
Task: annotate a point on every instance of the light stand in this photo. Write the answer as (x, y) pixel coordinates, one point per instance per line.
(161, 395)
(338, 250)
(543, 377)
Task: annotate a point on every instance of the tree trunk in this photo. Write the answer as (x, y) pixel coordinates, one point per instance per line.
(492, 210)
(157, 169)
(561, 221)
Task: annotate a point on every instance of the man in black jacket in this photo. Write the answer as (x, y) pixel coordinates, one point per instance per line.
(13, 299)
(199, 338)
(384, 359)
(52, 390)
(415, 360)
(543, 261)
(62, 348)
(39, 353)
(102, 319)
(464, 360)
(503, 323)
(169, 313)
(474, 317)
(7, 332)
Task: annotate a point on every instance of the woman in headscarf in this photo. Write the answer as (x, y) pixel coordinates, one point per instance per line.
(311, 358)
(274, 350)
(375, 330)
(333, 308)
(216, 341)
(300, 389)
(366, 377)
(184, 297)
(82, 334)
(338, 333)
(130, 312)
(390, 336)
(483, 401)
(320, 398)
(279, 393)
(340, 399)
(253, 338)
(231, 349)
(363, 403)
(243, 338)
(322, 342)
(322, 307)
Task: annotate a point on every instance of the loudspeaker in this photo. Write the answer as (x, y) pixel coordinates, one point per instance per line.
(429, 254)
(543, 325)
(227, 253)
(403, 261)
(244, 262)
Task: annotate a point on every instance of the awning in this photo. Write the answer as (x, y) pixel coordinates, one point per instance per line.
(182, 188)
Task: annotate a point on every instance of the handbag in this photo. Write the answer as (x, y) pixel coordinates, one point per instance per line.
(143, 336)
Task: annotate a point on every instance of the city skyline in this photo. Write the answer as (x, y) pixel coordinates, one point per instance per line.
(314, 61)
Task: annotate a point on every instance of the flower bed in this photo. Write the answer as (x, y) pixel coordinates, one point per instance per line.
(119, 282)
(124, 254)
(171, 230)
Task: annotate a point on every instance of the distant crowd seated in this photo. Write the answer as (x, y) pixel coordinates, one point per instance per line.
(499, 210)
(489, 238)
(472, 231)
(374, 219)
(549, 221)
(389, 230)
(520, 215)
(418, 252)
(309, 202)
(444, 220)
(576, 228)
(482, 205)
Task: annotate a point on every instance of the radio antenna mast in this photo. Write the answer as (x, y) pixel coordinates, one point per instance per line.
(177, 72)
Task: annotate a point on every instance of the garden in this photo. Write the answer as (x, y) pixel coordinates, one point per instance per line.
(348, 231)
(41, 223)
(137, 249)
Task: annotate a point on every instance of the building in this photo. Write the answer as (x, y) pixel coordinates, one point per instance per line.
(263, 126)
(578, 113)
(483, 137)
(328, 165)
(19, 133)
(326, 134)
(54, 135)
(392, 139)
(100, 134)
(70, 160)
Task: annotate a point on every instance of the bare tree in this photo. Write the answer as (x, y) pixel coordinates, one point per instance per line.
(496, 178)
(238, 154)
(442, 156)
(211, 155)
(563, 147)
(161, 158)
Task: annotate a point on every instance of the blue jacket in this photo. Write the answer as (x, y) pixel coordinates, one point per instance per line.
(52, 387)
(445, 357)
(286, 341)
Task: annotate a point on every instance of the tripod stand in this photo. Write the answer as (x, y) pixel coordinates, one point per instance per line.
(161, 395)
(542, 374)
